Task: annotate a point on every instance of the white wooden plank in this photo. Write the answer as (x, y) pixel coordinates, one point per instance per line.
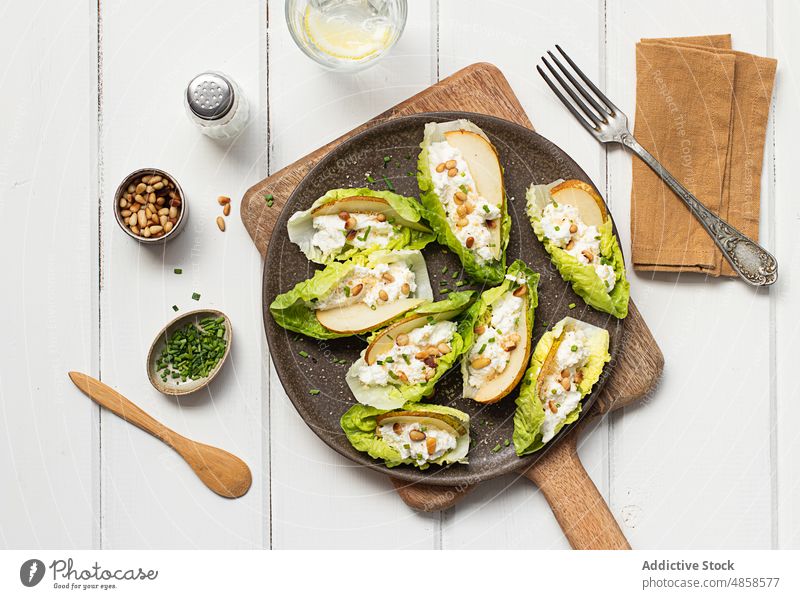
(511, 513)
(785, 216)
(692, 467)
(49, 458)
(319, 499)
(150, 498)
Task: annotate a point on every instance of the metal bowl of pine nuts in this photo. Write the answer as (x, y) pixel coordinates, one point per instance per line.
(150, 206)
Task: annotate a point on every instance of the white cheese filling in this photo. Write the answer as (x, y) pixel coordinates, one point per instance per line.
(397, 436)
(496, 342)
(383, 283)
(557, 400)
(404, 364)
(583, 243)
(330, 237)
(479, 215)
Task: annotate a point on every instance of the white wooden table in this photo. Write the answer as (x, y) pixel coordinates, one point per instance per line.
(90, 94)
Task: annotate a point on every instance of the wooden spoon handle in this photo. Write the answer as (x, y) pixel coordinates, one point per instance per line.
(581, 511)
(124, 408)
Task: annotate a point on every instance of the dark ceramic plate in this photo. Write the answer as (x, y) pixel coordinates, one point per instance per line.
(527, 157)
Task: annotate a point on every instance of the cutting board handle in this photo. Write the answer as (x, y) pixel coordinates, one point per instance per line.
(581, 511)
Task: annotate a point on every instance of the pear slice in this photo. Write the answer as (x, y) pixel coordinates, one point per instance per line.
(359, 318)
(497, 388)
(583, 196)
(484, 166)
(446, 422)
(366, 205)
(385, 340)
(547, 365)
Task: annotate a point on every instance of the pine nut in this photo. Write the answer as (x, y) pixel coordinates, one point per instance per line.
(461, 210)
(135, 207)
(565, 383)
(349, 224)
(460, 197)
(443, 348)
(163, 212)
(226, 209)
(383, 295)
(450, 164)
(401, 339)
(131, 188)
(479, 329)
(588, 255)
(440, 167)
(123, 203)
(470, 207)
(405, 289)
(167, 227)
(126, 213)
(565, 373)
(387, 276)
(571, 244)
(380, 217)
(158, 185)
(481, 362)
(173, 212)
(134, 220)
(356, 289)
(421, 355)
(452, 172)
(344, 215)
(146, 179)
(149, 189)
(146, 233)
(402, 376)
(430, 445)
(520, 291)
(163, 220)
(135, 230)
(140, 188)
(155, 229)
(223, 200)
(469, 242)
(142, 218)
(154, 179)
(573, 228)
(553, 407)
(221, 223)
(139, 199)
(462, 222)
(416, 435)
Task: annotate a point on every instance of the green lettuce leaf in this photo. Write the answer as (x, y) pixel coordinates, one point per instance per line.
(518, 270)
(396, 394)
(359, 423)
(407, 212)
(485, 272)
(583, 277)
(292, 310)
(529, 415)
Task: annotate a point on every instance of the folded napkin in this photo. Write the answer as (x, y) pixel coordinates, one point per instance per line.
(702, 111)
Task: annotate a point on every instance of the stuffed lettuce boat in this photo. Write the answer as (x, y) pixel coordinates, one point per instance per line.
(405, 360)
(418, 435)
(461, 187)
(497, 331)
(565, 365)
(571, 220)
(347, 222)
(357, 296)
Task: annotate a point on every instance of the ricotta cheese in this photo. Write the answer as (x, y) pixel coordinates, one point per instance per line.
(397, 436)
(400, 365)
(365, 284)
(330, 237)
(478, 216)
(496, 341)
(583, 243)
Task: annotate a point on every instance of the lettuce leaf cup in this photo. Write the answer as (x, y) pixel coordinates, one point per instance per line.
(348, 222)
(405, 360)
(566, 364)
(357, 296)
(497, 331)
(571, 220)
(461, 188)
(418, 434)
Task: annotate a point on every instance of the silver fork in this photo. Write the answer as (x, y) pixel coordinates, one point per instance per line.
(609, 124)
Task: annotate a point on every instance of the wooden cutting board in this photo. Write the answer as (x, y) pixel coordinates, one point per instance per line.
(577, 504)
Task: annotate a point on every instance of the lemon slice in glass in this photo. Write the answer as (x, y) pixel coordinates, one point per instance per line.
(346, 35)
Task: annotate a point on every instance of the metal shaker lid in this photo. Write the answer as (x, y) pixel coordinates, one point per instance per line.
(210, 96)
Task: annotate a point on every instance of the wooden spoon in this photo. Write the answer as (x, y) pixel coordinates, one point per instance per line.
(222, 472)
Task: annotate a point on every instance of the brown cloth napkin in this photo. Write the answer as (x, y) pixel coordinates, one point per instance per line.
(702, 111)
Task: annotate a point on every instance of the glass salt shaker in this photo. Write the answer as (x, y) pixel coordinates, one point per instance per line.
(216, 105)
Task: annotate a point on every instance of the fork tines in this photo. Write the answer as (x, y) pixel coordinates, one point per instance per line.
(596, 107)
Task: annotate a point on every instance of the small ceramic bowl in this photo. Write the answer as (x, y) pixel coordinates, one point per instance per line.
(175, 386)
(183, 215)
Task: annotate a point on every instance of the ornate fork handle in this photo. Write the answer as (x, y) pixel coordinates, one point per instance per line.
(755, 264)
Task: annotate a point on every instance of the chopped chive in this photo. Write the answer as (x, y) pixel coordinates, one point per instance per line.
(572, 306)
(366, 234)
(386, 160)
(485, 208)
(492, 340)
(195, 296)
(406, 358)
(178, 271)
(370, 178)
(574, 348)
(302, 353)
(496, 448)
(373, 307)
(411, 174)
(454, 275)
(175, 308)
(444, 270)
(270, 199)
(482, 349)
(313, 391)
(389, 184)
(461, 283)
(506, 442)
(346, 291)
(445, 290)
(389, 360)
